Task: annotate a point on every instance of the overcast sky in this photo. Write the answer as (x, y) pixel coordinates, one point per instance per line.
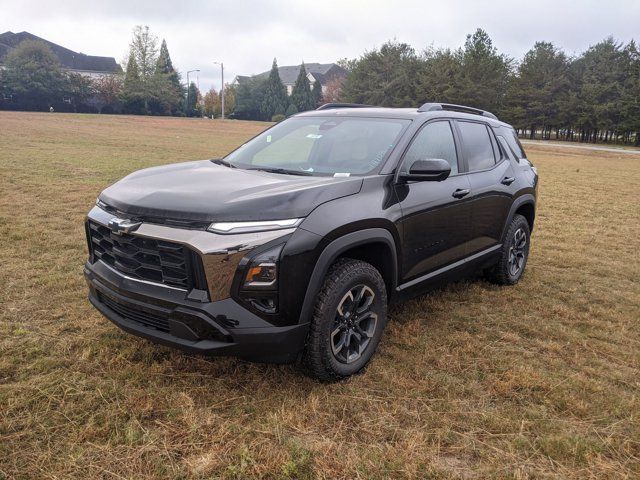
(246, 35)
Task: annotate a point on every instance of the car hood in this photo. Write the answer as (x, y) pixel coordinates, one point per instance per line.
(203, 191)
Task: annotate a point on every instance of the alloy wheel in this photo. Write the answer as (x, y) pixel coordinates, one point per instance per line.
(517, 252)
(354, 324)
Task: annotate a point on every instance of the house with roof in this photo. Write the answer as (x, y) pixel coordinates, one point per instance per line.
(322, 72)
(87, 65)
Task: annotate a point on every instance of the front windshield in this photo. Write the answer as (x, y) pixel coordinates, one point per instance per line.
(338, 146)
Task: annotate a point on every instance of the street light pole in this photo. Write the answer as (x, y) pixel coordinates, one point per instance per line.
(222, 89)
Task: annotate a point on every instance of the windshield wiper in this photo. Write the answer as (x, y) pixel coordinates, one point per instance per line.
(220, 161)
(283, 170)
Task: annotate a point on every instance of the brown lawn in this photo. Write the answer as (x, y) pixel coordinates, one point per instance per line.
(473, 381)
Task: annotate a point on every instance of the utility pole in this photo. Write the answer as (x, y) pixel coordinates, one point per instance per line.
(222, 89)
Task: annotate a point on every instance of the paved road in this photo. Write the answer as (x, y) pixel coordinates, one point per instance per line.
(584, 147)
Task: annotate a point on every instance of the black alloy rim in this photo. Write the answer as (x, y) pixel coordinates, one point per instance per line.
(517, 252)
(354, 324)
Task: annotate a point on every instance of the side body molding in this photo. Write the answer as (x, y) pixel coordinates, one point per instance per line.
(333, 251)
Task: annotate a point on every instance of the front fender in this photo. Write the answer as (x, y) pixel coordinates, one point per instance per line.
(333, 250)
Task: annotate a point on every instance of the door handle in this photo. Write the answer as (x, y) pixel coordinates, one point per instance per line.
(508, 180)
(461, 192)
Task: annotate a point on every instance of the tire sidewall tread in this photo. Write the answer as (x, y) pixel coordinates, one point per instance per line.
(318, 358)
(499, 273)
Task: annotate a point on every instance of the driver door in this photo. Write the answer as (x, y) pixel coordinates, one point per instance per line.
(436, 218)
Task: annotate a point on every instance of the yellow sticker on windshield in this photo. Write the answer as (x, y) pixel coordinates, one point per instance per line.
(268, 138)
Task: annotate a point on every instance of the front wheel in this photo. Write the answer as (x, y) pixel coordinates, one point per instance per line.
(514, 253)
(349, 317)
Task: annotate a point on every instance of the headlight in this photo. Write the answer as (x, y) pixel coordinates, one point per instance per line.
(249, 227)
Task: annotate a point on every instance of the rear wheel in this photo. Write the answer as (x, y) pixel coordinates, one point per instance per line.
(349, 317)
(514, 253)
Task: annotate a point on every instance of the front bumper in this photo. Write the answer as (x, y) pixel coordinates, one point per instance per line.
(168, 316)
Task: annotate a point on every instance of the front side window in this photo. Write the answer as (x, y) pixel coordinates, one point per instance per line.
(477, 145)
(331, 145)
(435, 140)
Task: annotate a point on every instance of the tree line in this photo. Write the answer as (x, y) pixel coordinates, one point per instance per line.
(591, 97)
(33, 79)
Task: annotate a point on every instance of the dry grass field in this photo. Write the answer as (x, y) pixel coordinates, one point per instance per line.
(474, 381)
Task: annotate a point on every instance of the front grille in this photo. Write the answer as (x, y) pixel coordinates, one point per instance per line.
(146, 258)
(150, 320)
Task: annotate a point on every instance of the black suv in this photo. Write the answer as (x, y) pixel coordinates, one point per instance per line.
(293, 244)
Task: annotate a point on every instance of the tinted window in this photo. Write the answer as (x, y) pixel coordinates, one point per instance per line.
(477, 145)
(514, 144)
(435, 140)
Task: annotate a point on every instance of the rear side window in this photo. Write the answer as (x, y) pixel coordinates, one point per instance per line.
(477, 145)
(514, 143)
(435, 140)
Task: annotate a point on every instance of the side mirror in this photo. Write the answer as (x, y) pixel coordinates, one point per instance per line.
(433, 169)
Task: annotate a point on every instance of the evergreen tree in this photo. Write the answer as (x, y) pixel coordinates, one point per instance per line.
(133, 98)
(316, 92)
(249, 96)
(630, 101)
(193, 95)
(166, 91)
(291, 110)
(484, 73)
(385, 77)
(275, 97)
(439, 76)
(602, 70)
(164, 64)
(537, 92)
(301, 95)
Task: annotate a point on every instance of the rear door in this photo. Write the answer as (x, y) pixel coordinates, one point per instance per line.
(435, 215)
(490, 177)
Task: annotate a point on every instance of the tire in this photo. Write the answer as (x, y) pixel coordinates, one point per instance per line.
(343, 334)
(514, 253)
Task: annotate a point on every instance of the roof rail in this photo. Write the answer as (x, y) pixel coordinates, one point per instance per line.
(330, 106)
(430, 107)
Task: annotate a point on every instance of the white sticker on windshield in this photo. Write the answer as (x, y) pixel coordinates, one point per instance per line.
(268, 138)
(314, 135)
(342, 174)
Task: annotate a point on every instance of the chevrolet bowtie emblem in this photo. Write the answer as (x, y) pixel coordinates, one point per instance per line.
(123, 225)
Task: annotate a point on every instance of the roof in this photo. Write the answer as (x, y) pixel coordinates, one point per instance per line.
(67, 58)
(288, 74)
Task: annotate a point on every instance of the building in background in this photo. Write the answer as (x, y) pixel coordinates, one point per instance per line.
(88, 65)
(323, 72)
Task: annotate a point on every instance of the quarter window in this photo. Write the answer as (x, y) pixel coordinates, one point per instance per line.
(477, 145)
(435, 140)
(514, 143)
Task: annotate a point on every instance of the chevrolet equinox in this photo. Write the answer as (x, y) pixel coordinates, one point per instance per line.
(292, 246)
